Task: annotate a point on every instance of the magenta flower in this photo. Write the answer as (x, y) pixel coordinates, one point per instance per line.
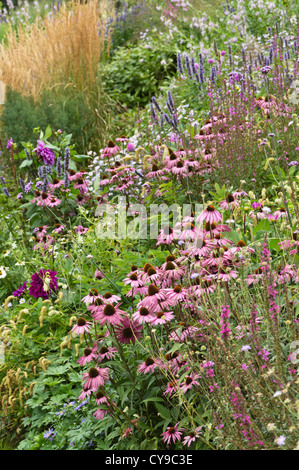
(172, 434)
(20, 291)
(130, 147)
(128, 331)
(149, 365)
(82, 326)
(9, 143)
(88, 356)
(109, 314)
(47, 154)
(95, 378)
(43, 283)
(210, 214)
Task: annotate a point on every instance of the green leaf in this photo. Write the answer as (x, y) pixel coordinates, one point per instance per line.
(153, 399)
(26, 163)
(48, 132)
(263, 225)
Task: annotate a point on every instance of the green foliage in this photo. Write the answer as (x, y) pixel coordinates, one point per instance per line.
(134, 73)
(20, 115)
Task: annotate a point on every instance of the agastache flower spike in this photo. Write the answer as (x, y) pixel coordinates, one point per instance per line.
(179, 63)
(67, 156)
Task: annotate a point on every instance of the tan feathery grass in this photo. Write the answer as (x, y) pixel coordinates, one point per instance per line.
(64, 49)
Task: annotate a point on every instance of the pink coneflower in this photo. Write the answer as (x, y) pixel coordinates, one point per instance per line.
(155, 172)
(217, 258)
(191, 437)
(153, 298)
(210, 214)
(152, 275)
(98, 274)
(172, 434)
(189, 382)
(171, 160)
(226, 275)
(171, 388)
(111, 149)
(293, 243)
(160, 318)
(91, 297)
(214, 229)
(206, 286)
(105, 180)
(255, 277)
(165, 236)
(280, 213)
(43, 199)
(109, 314)
(56, 183)
(111, 298)
(95, 378)
(133, 280)
(174, 296)
(100, 413)
(172, 272)
(106, 353)
(82, 185)
(143, 315)
(58, 228)
(89, 355)
(122, 138)
(81, 326)
(149, 365)
(54, 201)
(229, 203)
(189, 232)
(200, 247)
(180, 169)
(100, 398)
(128, 331)
(241, 246)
